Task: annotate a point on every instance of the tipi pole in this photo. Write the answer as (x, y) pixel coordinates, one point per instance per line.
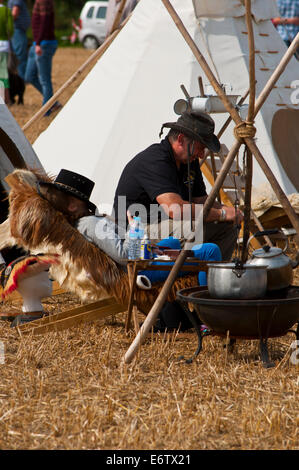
(152, 315)
(229, 119)
(250, 119)
(258, 104)
(118, 16)
(155, 310)
(94, 56)
(235, 116)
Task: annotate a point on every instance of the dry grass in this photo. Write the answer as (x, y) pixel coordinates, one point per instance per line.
(69, 390)
(66, 62)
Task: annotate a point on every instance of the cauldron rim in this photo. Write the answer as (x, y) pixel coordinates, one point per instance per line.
(202, 300)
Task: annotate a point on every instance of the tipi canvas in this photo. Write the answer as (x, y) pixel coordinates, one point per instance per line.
(119, 108)
(15, 150)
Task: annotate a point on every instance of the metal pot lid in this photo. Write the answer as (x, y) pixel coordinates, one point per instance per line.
(273, 251)
(233, 266)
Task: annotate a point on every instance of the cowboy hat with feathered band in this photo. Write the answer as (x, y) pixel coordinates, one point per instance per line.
(199, 126)
(74, 184)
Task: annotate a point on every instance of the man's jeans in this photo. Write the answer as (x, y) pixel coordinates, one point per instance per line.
(223, 234)
(39, 69)
(204, 252)
(19, 43)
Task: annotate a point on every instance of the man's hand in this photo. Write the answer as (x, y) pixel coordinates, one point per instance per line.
(290, 21)
(38, 50)
(130, 218)
(232, 216)
(15, 12)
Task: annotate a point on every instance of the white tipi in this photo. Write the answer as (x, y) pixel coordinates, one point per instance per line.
(119, 108)
(15, 150)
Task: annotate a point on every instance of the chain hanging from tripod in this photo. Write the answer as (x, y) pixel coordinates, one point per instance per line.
(237, 258)
(247, 169)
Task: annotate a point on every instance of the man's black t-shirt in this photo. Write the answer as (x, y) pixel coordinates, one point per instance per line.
(153, 172)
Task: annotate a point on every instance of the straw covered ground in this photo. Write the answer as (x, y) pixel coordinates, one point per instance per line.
(70, 390)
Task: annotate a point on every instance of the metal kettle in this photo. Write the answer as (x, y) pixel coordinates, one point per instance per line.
(279, 265)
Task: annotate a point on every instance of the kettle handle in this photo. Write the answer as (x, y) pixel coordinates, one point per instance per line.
(274, 231)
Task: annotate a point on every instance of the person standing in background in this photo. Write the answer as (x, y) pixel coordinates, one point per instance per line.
(6, 31)
(39, 65)
(19, 40)
(288, 23)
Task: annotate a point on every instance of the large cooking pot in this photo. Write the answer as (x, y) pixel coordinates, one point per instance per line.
(237, 281)
(279, 265)
(271, 316)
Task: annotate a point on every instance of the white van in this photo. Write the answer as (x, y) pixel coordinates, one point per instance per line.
(92, 24)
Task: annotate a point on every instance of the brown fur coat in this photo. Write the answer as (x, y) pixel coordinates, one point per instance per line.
(83, 269)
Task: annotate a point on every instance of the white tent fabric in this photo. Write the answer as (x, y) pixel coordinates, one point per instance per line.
(261, 10)
(120, 106)
(13, 131)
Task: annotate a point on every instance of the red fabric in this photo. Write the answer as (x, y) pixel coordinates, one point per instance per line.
(43, 21)
(10, 281)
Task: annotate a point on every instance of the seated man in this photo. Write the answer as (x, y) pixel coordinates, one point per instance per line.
(47, 216)
(168, 175)
(101, 230)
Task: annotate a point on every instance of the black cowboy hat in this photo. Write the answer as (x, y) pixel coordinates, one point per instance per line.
(199, 126)
(75, 185)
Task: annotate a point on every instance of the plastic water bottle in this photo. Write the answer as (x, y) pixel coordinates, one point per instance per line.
(135, 236)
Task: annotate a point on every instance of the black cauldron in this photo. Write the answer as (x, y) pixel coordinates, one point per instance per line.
(261, 319)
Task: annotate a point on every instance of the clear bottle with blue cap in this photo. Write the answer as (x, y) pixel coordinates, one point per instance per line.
(136, 233)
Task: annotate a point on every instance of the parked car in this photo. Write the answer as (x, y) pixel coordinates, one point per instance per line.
(92, 24)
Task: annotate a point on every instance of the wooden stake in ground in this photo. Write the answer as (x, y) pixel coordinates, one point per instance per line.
(155, 310)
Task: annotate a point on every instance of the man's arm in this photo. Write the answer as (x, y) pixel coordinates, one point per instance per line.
(102, 232)
(291, 21)
(173, 205)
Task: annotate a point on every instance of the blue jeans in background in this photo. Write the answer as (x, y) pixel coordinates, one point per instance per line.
(39, 69)
(19, 43)
(204, 252)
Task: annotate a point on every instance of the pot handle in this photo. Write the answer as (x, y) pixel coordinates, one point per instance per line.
(274, 231)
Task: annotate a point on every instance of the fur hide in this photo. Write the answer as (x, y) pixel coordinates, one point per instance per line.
(84, 269)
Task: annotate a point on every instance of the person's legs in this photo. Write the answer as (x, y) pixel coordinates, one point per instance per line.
(172, 315)
(4, 80)
(31, 73)
(19, 44)
(223, 234)
(44, 66)
(206, 252)
(159, 276)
